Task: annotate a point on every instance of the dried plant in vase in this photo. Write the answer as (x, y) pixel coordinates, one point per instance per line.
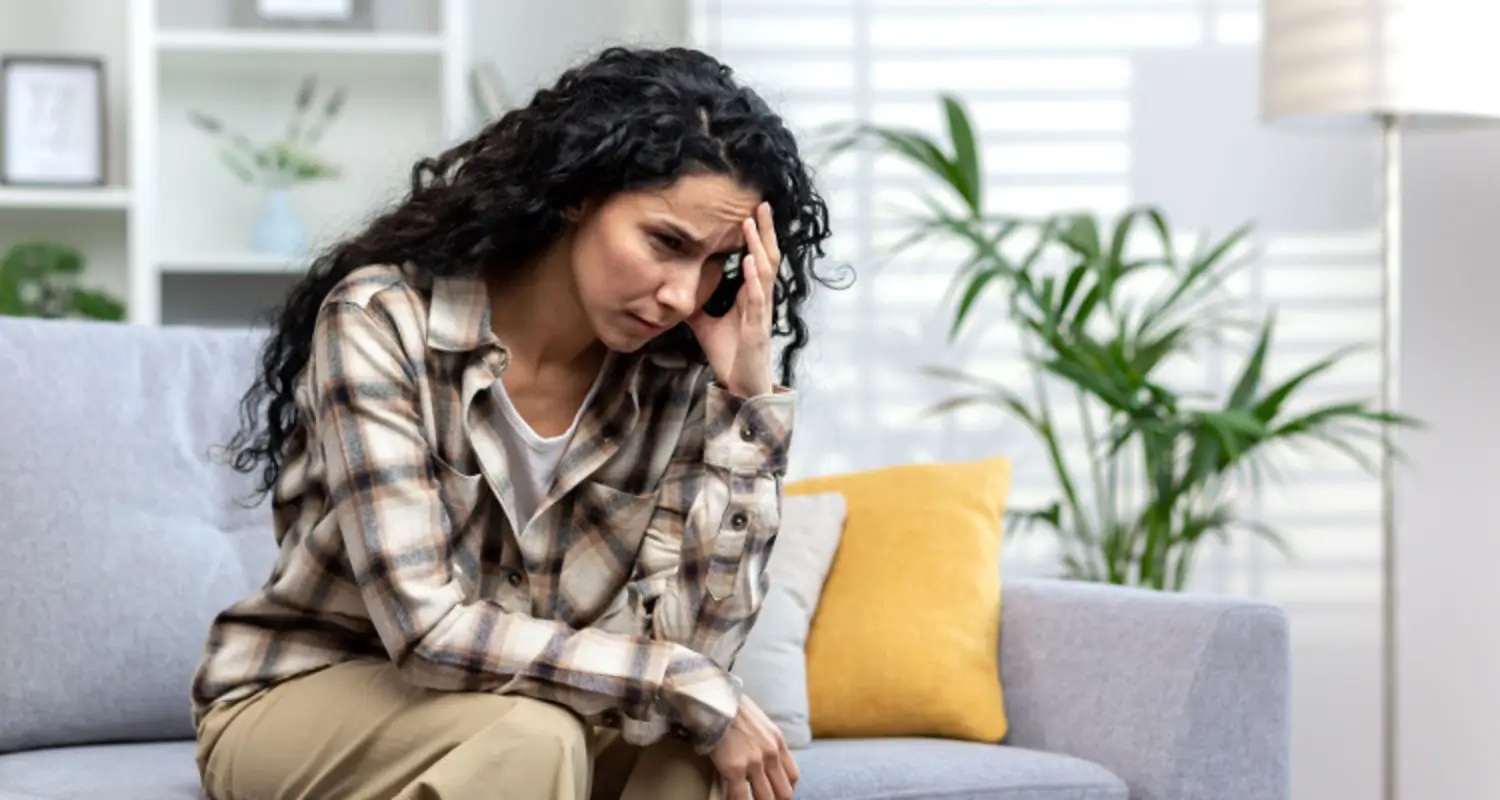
(280, 164)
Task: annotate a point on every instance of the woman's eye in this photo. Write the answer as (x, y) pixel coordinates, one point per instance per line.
(670, 242)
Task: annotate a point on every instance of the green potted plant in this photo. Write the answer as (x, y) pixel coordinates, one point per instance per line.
(40, 279)
(279, 165)
(1156, 474)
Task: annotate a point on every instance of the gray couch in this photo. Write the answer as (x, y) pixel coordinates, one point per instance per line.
(119, 539)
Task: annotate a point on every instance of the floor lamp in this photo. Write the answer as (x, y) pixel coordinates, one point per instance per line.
(1395, 65)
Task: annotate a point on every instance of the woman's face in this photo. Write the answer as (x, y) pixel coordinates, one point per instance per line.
(644, 261)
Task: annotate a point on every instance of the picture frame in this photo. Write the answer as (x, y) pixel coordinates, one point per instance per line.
(53, 120)
(303, 14)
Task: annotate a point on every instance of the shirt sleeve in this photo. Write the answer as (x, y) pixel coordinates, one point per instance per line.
(397, 537)
(701, 578)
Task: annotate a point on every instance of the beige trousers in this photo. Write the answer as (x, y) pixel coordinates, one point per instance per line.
(357, 731)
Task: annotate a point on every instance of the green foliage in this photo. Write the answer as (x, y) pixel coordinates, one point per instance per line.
(285, 161)
(1100, 325)
(39, 279)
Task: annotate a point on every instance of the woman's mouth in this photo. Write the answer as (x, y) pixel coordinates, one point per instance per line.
(645, 325)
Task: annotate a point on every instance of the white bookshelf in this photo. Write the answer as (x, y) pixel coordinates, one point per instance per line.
(25, 198)
(229, 263)
(209, 43)
(188, 219)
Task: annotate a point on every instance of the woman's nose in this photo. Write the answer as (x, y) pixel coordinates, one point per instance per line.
(680, 294)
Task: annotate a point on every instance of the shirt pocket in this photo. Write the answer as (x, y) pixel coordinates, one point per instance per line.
(604, 530)
(461, 493)
(462, 498)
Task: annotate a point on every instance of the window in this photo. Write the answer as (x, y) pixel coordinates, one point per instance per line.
(1095, 104)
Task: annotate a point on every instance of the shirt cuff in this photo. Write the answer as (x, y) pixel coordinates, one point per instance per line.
(705, 697)
(749, 434)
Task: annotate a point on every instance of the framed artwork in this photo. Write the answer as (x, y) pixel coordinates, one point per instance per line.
(346, 14)
(52, 121)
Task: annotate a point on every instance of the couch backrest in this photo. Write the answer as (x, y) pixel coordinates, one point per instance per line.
(120, 535)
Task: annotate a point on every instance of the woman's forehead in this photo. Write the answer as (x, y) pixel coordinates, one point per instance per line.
(710, 208)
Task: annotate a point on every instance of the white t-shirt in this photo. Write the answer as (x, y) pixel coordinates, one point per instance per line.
(532, 459)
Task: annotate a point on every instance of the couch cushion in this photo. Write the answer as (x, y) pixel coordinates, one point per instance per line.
(906, 636)
(875, 769)
(159, 771)
(120, 538)
(773, 662)
(907, 769)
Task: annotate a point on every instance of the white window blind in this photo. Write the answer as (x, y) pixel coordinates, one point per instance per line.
(1094, 105)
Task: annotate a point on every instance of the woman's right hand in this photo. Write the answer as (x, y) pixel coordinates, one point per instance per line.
(753, 758)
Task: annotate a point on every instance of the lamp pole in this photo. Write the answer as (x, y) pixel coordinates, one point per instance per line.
(1390, 350)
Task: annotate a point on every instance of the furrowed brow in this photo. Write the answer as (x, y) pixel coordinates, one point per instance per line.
(696, 242)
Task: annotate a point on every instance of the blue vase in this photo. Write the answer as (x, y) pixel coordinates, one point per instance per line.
(278, 231)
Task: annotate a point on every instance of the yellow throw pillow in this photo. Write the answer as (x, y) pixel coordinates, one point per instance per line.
(905, 638)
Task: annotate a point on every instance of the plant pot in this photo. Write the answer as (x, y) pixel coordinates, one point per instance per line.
(279, 230)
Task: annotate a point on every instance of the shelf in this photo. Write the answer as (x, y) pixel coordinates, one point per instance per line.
(188, 42)
(107, 198)
(232, 264)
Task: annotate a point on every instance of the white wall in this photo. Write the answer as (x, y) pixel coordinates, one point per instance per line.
(1450, 546)
(559, 33)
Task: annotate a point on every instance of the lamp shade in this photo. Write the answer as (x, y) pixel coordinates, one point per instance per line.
(1430, 62)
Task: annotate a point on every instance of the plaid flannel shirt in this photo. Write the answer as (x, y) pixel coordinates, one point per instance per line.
(625, 599)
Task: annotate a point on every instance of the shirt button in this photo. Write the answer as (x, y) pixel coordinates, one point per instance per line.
(513, 578)
(739, 520)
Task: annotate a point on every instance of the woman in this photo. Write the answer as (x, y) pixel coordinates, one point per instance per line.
(524, 484)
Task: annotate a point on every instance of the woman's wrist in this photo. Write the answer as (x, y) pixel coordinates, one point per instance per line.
(749, 393)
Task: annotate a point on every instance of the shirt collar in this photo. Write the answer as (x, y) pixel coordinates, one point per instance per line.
(458, 317)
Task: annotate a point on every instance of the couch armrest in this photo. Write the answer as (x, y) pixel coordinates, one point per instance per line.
(1183, 697)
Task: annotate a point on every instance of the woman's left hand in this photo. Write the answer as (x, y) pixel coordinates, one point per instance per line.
(738, 344)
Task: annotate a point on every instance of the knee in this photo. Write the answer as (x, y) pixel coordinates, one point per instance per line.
(544, 731)
(674, 769)
(543, 720)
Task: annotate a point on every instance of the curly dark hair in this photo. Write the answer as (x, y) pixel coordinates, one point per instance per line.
(627, 119)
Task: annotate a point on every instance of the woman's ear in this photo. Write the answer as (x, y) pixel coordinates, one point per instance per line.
(578, 211)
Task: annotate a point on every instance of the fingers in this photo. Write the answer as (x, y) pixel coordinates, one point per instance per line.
(754, 292)
(760, 239)
(761, 768)
(760, 275)
(775, 757)
(760, 785)
(767, 226)
(781, 783)
(775, 761)
(786, 766)
(789, 764)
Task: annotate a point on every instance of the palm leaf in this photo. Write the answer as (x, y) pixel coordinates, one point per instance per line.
(1249, 380)
(1081, 235)
(966, 158)
(1270, 405)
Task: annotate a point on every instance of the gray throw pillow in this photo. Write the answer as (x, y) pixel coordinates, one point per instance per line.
(773, 663)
